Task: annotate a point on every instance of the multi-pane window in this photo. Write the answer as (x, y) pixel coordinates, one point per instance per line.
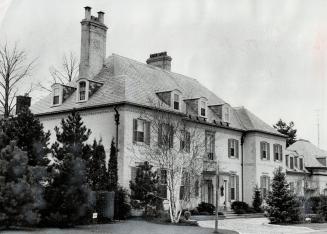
(291, 163)
(203, 107)
(233, 148)
(184, 192)
(286, 159)
(264, 184)
(264, 148)
(141, 131)
(226, 114)
(185, 142)
(291, 186)
(166, 136)
(301, 163)
(210, 145)
(295, 162)
(82, 90)
(196, 188)
(176, 102)
(56, 95)
(163, 183)
(233, 187)
(278, 152)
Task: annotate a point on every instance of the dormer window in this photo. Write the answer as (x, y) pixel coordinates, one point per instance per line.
(56, 96)
(82, 91)
(203, 108)
(176, 101)
(226, 113)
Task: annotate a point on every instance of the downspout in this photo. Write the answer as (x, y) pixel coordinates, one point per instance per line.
(242, 163)
(117, 124)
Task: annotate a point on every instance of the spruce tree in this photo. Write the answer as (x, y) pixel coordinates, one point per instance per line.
(257, 200)
(29, 134)
(282, 204)
(17, 199)
(98, 176)
(113, 168)
(68, 196)
(288, 130)
(145, 188)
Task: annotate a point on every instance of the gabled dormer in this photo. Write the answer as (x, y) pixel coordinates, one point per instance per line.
(172, 98)
(223, 111)
(60, 93)
(197, 107)
(86, 88)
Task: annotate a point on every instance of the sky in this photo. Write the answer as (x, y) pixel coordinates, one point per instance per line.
(269, 56)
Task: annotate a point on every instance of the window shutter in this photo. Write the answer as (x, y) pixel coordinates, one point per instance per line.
(160, 135)
(147, 133)
(229, 147)
(261, 185)
(281, 153)
(274, 151)
(268, 149)
(236, 142)
(213, 146)
(133, 173)
(134, 130)
(237, 188)
(261, 150)
(229, 190)
(268, 181)
(171, 136)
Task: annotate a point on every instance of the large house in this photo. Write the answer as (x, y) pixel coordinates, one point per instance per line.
(246, 148)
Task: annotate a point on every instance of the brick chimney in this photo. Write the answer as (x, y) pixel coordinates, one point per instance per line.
(22, 103)
(161, 60)
(93, 44)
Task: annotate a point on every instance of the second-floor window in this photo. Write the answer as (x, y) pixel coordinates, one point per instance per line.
(141, 131)
(265, 150)
(278, 153)
(56, 96)
(176, 102)
(301, 163)
(166, 136)
(210, 145)
(233, 148)
(185, 141)
(82, 91)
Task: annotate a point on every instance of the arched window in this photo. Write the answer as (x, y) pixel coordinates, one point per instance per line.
(82, 90)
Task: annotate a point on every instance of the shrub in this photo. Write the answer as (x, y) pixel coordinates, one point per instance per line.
(187, 215)
(122, 207)
(240, 207)
(206, 207)
(195, 212)
(257, 200)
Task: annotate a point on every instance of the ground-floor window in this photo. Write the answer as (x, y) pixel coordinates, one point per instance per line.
(264, 185)
(233, 187)
(163, 183)
(207, 191)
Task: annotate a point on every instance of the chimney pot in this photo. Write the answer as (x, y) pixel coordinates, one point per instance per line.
(101, 16)
(161, 60)
(87, 12)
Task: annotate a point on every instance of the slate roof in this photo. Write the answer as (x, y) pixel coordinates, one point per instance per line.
(309, 151)
(129, 81)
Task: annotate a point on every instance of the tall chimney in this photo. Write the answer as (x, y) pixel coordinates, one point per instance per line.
(161, 60)
(93, 44)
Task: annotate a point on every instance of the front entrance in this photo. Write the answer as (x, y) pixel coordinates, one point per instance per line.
(207, 191)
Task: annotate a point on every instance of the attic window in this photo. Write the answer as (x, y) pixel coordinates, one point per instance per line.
(56, 96)
(176, 101)
(226, 114)
(203, 107)
(82, 91)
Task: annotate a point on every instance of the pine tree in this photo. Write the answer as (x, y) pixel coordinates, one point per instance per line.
(30, 136)
(282, 205)
(257, 200)
(145, 188)
(68, 196)
(98, 176)
(113, 168)
(288, 130)
(17, 200)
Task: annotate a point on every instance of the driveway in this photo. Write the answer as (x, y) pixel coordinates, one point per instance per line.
(258, 225)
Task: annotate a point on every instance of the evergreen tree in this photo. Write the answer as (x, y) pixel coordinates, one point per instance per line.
(29, 135)
(288, 130)
(68, 196)
(145, 188)
(98, 176)
(282, 205)
(113, 168)
(73, 135)
(17, 200)
(257, 200)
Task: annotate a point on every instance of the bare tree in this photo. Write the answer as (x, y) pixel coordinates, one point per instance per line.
(14, 66)
(65, 73)
(177, 148)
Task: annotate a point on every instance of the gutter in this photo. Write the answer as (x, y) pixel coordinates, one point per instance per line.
(242, 163)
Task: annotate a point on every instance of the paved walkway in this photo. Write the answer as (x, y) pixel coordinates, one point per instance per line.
(259, 226)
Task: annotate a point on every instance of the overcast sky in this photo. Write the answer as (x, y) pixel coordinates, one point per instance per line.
(269, 56)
